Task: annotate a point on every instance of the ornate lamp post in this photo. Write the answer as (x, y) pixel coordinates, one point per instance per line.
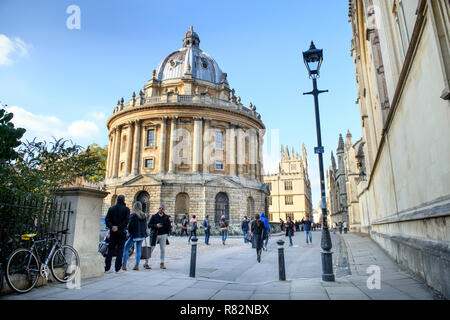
(313, 60)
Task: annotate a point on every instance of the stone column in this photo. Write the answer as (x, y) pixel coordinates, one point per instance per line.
(252, 155)
(240, 150)
(136, 147)
(207, 148)
(84, 225)
(197, 145)
(128, 150)
(231, 150)
(117, 151)
(162, 146)
(110, 154)
(173, 128)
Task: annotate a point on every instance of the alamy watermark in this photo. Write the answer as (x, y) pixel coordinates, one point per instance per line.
(374, 279)
(74, 20)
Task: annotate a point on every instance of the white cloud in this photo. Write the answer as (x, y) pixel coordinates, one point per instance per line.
(11, 49)
(97, 115)
(45, 127)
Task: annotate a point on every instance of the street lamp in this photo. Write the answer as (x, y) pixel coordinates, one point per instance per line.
(313, 60)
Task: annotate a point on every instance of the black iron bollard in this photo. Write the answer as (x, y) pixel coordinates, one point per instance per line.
(193, 256)
(281, 265)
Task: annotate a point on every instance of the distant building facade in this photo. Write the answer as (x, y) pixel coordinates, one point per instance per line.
(342, 180)
(290, 188)
(401, 52)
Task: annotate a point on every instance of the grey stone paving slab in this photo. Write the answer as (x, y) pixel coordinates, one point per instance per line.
(240, 287)
(208, 285)
(349, 297)
(344, 291)
(308, 296)
(232, 295)
(269, 296)
(194, 294)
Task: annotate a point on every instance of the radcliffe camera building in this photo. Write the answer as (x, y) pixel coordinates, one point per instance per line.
(186, 141)
(401, 52)
(290, 188)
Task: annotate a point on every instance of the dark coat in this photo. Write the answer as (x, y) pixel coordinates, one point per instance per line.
(244, 225)
(259, 234)
(307, 225)
(155, 231)
(137, 227)
(289, 229)
(118, 215)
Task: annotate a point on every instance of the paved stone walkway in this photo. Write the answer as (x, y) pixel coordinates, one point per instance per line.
(231, 273)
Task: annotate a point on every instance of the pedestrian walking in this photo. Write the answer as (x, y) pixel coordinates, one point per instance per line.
(340, 227)
(258, 233)
(281, 224)
(207, 226)
(116, 220)
(223, 225)
(137, 228)
(308, 234)
(193, 228)
(159, 225)
(245, 228)
(289, 230)
(184, 225)
(266, 224)
(345, 226)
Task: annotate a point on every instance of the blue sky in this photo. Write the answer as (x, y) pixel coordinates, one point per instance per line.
(66, 82)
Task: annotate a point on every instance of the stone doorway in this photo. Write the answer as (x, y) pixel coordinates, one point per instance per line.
(144, 198)
(222, 207)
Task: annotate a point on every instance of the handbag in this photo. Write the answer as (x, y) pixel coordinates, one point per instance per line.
(248, 237)
(103, 248)
(146, 251)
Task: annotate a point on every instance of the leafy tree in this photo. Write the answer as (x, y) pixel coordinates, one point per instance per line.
(43, 167)
(99, 167)
(9, 137)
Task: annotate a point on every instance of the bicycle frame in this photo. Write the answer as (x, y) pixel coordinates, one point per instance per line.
(56, 245)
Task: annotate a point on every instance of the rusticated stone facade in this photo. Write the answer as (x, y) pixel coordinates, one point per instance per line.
(186, 141)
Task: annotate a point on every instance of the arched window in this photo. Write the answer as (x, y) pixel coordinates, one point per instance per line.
(250, 207)
(222, 207)
(181, 205)
(144, 198)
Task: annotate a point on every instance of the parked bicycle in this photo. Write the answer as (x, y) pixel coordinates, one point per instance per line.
(24, 266)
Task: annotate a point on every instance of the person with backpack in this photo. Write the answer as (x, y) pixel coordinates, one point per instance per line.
(137, 228)
(245, 228)
(258, 234)
(193, 228)
(266, 224)
(117, 220)
(223, 225)
(206, 225)
(184, 224)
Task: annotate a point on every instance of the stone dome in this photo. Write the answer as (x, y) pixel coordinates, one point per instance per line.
(190, 56)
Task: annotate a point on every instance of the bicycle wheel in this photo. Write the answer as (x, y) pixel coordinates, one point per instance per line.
(65, 264)
(22, 270)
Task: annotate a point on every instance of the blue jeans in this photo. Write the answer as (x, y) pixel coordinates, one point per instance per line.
(224, 235)
(266, 241)
(130, 242)
(245, 236)
(290, 240)
(308, 235)
(207, 232)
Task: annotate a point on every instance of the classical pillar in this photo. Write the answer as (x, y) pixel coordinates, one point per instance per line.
(252, 156)
(117, 151)
(129, 151)
(240, 150)
(231, 150)
(136, 147)
(197, 145)
(110, 153)
(162, 146)
(207, 147)
(173, 128)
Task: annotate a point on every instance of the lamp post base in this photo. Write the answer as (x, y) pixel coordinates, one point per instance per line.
(327, 266)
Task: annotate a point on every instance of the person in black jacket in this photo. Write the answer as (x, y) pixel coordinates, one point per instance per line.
(160, 228)
(289, 230)
(116, 220)
(137, 228)
(245, 228)
(258, 233)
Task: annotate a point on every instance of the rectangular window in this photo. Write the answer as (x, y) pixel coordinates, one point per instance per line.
(149, 163)
(219, 144)
(270, 200)
(288, 185)
(151, 138)
(219, 165)
(288, 200)
(269, 186)
(290, 214)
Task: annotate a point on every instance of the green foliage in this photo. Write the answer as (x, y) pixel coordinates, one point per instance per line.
(99, 167)
(43, 167)
(9, 137)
